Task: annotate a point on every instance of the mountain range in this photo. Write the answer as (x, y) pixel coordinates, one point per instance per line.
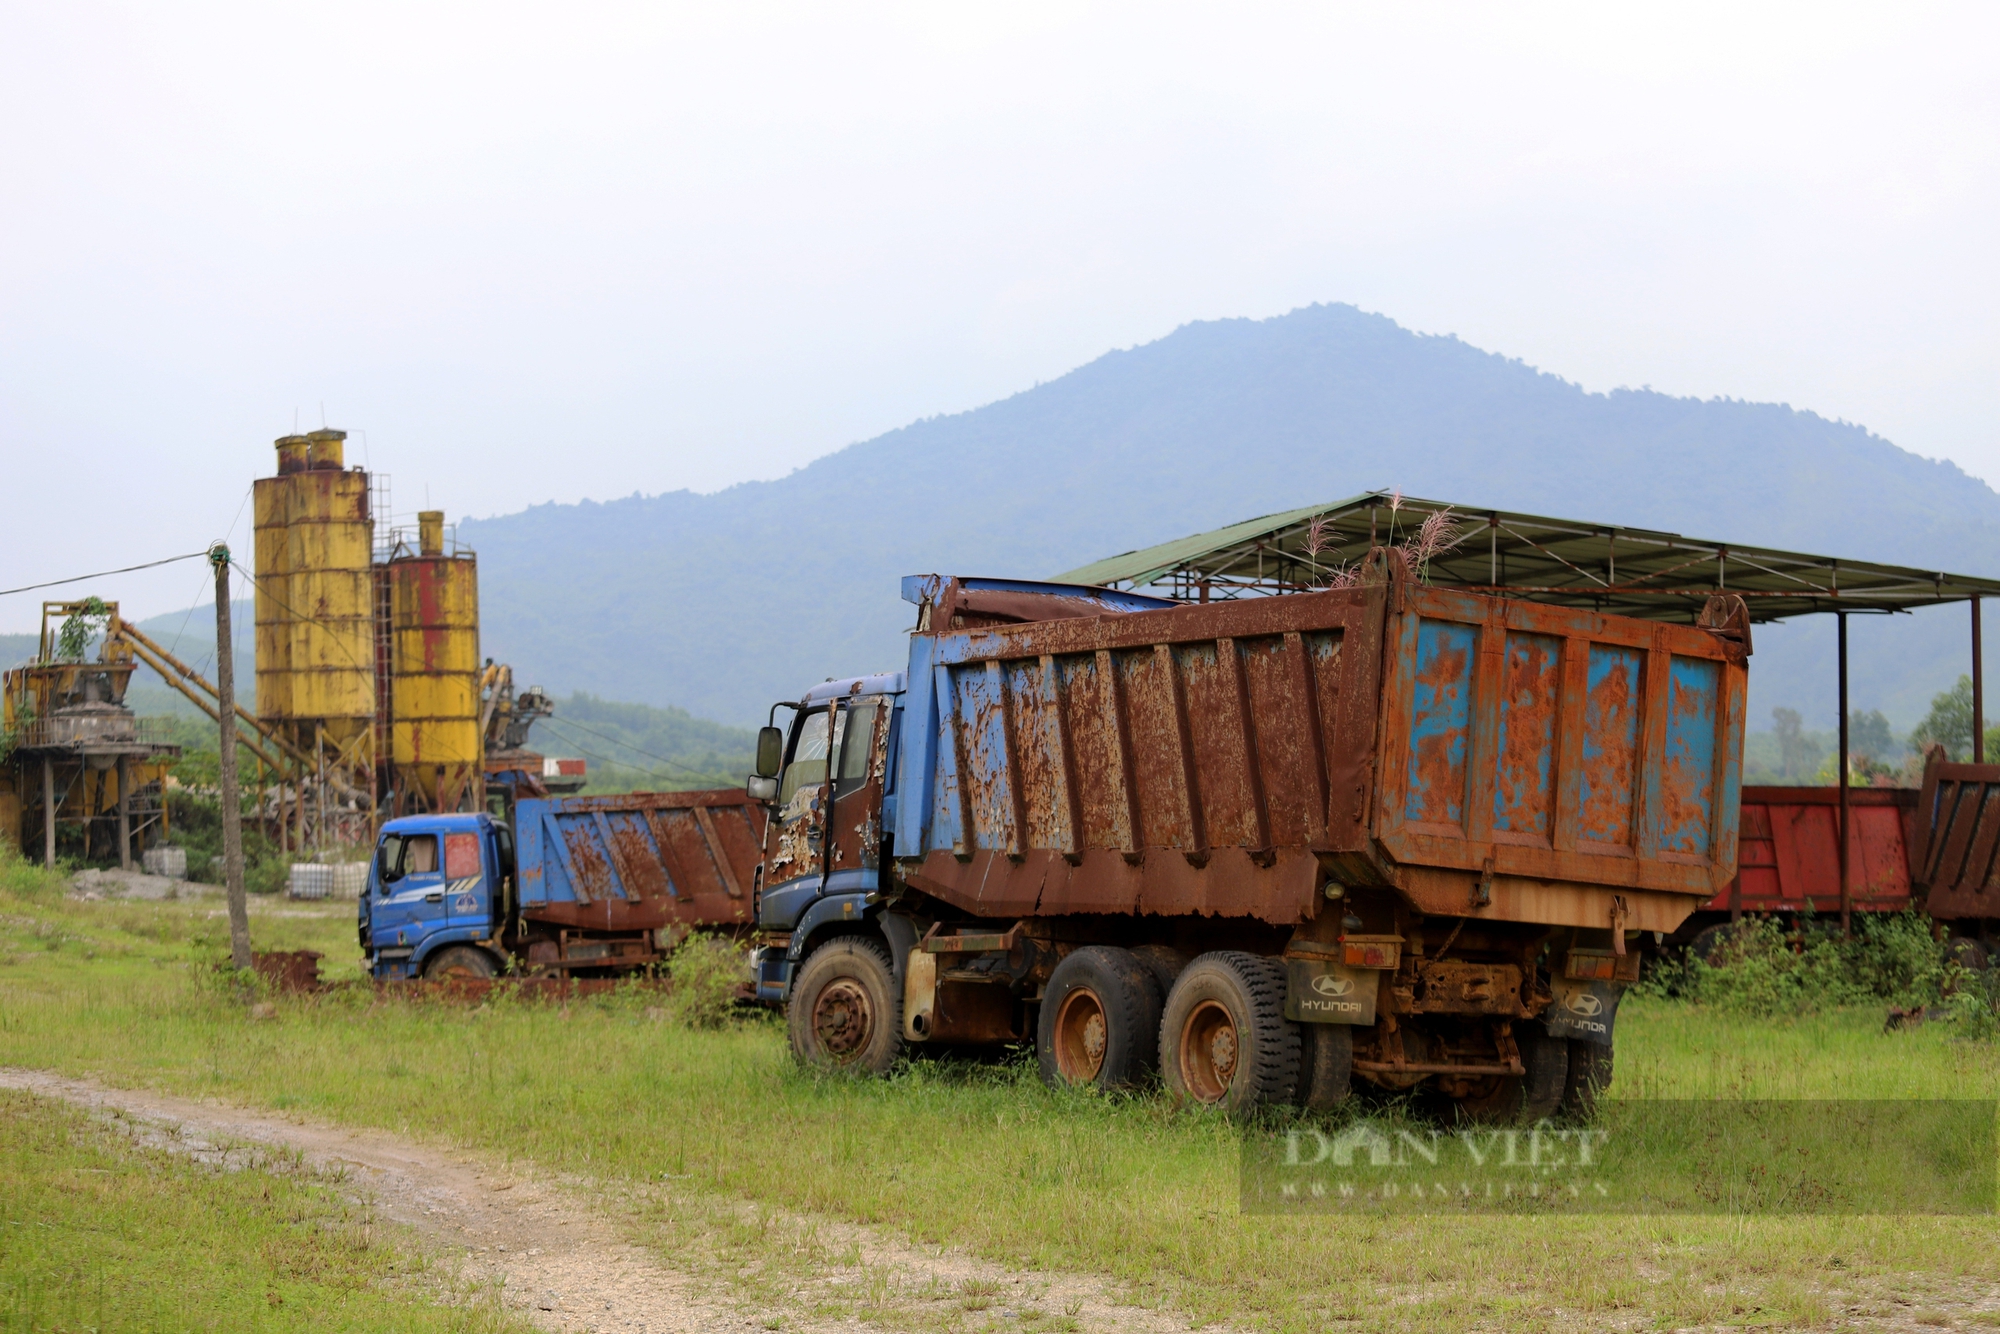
(725, 602)
(722, 603)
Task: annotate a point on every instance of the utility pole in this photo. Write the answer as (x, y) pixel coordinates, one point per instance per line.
(232, 811)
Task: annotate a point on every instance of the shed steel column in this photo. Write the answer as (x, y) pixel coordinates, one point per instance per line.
(1841, 777)
(1978, 693)
(48, 812)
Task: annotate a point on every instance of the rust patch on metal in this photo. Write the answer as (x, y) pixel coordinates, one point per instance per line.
(1687, 777)
(978, 1012)
(1610, 745)
(1956, 837)
(590, 873)
(1440, 725)
(1524, 788)
(1452, 986)
(637, 860)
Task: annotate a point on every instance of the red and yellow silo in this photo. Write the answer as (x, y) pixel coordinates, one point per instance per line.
(433, 697)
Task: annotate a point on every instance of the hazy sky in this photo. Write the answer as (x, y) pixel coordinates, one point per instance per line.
(565, 251)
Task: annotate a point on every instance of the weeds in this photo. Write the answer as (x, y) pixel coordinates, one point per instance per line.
(1761, 966)
(30, 881)
(706, 972)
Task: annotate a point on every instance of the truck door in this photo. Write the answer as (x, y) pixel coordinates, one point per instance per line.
(409, 891)
(468, 892)
(825, 786)
(855, 815)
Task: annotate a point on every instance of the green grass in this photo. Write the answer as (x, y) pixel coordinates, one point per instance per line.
(99, 1231)
(690, 1126)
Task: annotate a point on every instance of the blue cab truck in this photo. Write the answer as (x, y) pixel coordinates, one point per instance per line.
(1265, 849)
(574, 886)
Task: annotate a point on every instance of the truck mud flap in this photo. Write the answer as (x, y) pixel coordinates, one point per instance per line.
(1582, 1009)
(901, 933)
(1319, 992)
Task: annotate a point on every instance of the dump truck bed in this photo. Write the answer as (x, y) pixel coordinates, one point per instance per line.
(1789, 850)
(1488, 757)
(639, 861)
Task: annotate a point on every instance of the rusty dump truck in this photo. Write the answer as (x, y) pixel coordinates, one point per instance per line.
(1269, 847)
(573, 887)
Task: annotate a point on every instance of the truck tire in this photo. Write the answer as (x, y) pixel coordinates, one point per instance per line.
(1326, 1066)
(1527, 1098)
(1100, 1020)
(844, 1013)
(1224, 1038)
(1164, 962)
(1967, 953)
(1589, 1075)
(460, 963)
(1710, 939)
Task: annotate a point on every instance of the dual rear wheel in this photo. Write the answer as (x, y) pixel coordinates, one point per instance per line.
(1223, 1040)
(1214, 1028)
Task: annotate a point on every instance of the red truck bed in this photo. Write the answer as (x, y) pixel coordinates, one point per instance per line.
(1788, 850)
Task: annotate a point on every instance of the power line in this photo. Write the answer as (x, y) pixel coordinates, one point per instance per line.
(571, 722)
(310, 620)
(102, 574)
(671, 764)
(609, 762)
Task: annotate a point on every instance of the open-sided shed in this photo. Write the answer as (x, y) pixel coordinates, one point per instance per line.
(1607, 567)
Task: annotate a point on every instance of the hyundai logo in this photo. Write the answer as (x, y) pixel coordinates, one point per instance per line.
(1328, 985)
(1585, 1003)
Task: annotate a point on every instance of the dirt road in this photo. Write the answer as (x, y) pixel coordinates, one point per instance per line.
(567, 1263)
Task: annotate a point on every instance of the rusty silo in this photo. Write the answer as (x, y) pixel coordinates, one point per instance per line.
(315, 623)
(435, 739)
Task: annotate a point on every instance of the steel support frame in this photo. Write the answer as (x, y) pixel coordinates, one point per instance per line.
(1845, 779)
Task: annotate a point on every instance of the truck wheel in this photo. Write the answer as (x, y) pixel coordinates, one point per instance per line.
(1529, 1097)
(1709, 939)
(1224, 1038)
(1967, 953)
(1326, 1066)
(1164, 962)
(1589, 1075)
(459, 963)
(1100, 1021)
(844, 1012)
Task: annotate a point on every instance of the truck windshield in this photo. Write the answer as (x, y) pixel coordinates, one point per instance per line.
(810, 755)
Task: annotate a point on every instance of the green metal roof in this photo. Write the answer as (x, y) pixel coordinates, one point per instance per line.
(1609, 567)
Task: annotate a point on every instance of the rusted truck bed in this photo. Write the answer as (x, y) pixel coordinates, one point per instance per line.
(1488, 757)
(1789, 851)
(639, 861)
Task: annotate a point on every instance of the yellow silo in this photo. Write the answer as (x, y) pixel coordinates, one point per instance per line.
(315, 612)
(434, 730)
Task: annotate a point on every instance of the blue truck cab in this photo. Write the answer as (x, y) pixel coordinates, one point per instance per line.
(439, 890)
(839, 775)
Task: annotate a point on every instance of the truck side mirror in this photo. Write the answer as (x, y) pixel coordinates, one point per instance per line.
(770, 753)
(760, 788)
